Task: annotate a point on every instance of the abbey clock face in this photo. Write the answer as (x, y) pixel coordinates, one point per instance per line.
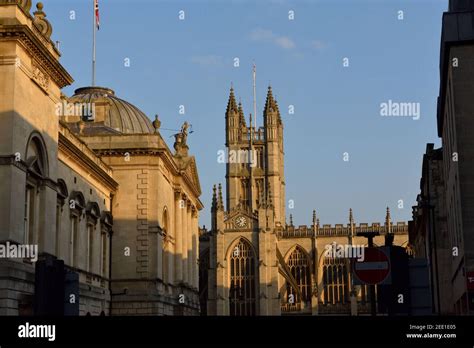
(241, 222)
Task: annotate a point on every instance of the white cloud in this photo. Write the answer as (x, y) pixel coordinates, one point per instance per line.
(318, 45)
(285, 42)
(266, 35)
(207, 60)
(262, 35)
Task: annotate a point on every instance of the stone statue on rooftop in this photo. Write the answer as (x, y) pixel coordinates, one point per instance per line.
(184, 132)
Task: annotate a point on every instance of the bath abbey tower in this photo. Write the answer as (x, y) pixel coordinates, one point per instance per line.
(249, 182)
(253, 261)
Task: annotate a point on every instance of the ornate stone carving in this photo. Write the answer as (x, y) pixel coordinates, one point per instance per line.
(156, 124)
(40, 21)
(49, 63)
(24, 4)
(40, 77)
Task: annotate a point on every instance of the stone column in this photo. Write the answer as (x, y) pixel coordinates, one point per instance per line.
(170, 255)
(108, 236)
(195, 236)
(184, 238)
(190, 245)
(159, 244)
(178, 256)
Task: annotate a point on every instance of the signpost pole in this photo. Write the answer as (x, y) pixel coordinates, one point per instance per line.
(373, 306)
(370, 242)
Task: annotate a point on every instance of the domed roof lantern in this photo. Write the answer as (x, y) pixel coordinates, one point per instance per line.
(116, 113)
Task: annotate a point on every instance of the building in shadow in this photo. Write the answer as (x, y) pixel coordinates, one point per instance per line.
(428, 231)
(91, 183)
(443, 221)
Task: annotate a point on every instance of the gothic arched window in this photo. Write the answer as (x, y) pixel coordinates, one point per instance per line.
(244, 192)
(259, 186)
(299, 266)
(242, 297)
(335, 280)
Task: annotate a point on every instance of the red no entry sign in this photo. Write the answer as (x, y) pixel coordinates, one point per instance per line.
(470, 280)
(375, 267)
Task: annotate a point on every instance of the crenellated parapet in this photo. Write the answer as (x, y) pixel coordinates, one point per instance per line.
(339, 230)
(258, 135)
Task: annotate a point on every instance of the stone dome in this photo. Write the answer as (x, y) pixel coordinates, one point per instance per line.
(113, 112)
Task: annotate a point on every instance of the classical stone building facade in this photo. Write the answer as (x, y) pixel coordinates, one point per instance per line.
(254, 262)
(428, 231)
(455, 127)
(90, 181)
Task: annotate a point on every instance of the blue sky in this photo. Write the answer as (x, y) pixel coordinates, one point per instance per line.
(337, 109)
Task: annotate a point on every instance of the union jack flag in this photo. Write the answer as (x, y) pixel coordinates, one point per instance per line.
(96, 6)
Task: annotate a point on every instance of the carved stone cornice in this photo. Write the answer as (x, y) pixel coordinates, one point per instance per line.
(121, 152)
(39, 76)
(177, 192)
(23, 166)
(184, 169)
(11, 160)
(25, 5)
(32, 44)
(96, 171)
(49, 183)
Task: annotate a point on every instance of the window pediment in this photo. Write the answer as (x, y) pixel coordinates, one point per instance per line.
(77, 201)
(62, 190)
(93, 211)
(106, 219)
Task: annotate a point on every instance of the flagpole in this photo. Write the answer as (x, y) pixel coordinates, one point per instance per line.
(254, 113)
(93, 41)
(255, 94)
(251, 153)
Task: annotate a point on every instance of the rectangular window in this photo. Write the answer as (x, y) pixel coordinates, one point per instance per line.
(29, 215)
(90, 248)
(58, 227)
(73, 241)
(104, 255)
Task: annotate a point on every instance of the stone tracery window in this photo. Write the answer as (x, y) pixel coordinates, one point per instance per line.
(244, 187)
(299, 266)
(242, 291)
(335, 280)
(259, 187)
